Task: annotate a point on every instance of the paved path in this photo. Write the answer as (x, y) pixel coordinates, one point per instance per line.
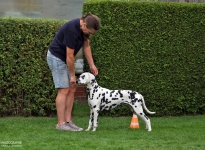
(59, 9)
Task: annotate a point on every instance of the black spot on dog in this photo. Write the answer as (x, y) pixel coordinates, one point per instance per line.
(132, 95)
(140, 113)
(103, 99)
(114, 105)
(110, 107)
(133, 101)
(114, 98)
(106, 108)
(92, 95)
(92, 117)
(98, 96)
(121, 95)
(88, 90)
(101, 107)
(107, 102)
(93, 81)
(112, 93)
(140, 100)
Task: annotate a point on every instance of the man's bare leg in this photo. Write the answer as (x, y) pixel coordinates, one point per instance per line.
(61, 104)
(69, 103)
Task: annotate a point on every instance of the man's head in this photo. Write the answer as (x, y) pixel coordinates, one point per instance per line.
(90, 24)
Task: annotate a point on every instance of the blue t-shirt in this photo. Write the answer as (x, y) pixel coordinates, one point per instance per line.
(68, 35)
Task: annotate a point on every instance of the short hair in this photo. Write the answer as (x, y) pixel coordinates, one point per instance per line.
(92, 21)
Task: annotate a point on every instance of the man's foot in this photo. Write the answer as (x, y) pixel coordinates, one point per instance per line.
(72, 125)
(64, 126)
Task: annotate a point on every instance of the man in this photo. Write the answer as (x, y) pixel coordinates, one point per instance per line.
(60, 58)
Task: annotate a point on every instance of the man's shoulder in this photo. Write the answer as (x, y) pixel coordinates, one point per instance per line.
(71, 26)
(73, 23)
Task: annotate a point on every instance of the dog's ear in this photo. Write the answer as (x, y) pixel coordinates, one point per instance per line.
(91, 77)
(92, 73)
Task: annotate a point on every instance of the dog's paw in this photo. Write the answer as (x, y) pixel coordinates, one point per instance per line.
(94, 129)
(88, 129)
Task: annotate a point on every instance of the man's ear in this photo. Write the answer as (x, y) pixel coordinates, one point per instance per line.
(84, 24)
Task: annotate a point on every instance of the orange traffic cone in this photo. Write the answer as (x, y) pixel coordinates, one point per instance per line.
(134, 122)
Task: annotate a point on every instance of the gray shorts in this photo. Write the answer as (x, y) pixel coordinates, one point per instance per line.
(60, 72)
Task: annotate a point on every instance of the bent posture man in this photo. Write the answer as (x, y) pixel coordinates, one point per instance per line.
(60, 58)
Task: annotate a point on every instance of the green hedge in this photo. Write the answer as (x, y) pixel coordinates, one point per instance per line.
(26, 86)
(157, 49)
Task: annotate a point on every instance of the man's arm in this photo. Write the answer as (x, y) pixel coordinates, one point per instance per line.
(88, 55)
(70, 61)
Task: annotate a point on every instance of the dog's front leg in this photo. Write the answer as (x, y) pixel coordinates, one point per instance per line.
(95, 121)
(90, 120)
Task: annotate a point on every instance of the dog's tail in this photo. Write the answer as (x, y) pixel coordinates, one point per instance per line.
(145, 107)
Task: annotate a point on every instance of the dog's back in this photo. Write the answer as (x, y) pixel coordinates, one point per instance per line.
(107, 99)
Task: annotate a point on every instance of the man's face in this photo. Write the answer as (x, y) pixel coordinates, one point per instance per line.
(88, 32)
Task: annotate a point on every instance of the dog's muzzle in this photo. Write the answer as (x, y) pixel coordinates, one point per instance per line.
(77, 81)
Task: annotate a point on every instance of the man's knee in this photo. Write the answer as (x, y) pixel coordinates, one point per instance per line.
(63, 91)
(66, 91)
(72, 88)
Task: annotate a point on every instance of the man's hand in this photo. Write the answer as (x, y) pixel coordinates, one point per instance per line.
(72, 80)
(94, 70)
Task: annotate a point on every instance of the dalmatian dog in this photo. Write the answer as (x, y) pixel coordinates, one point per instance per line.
(100, 98)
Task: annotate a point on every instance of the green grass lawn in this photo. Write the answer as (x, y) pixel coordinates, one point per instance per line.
(168, 133)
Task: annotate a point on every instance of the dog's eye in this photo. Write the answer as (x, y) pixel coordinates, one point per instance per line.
(83, 77)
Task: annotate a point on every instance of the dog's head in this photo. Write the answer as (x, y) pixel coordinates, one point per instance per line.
(86, 78)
